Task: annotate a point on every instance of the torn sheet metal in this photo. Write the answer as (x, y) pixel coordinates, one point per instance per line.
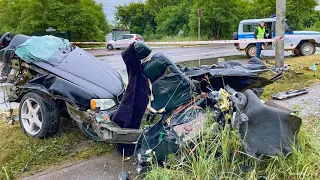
(289, 94)
(238, 78)
(263, 129)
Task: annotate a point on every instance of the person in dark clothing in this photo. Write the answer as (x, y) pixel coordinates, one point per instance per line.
(260, 33)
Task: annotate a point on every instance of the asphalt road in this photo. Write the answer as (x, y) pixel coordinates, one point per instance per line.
(183, 54)
(177, 54)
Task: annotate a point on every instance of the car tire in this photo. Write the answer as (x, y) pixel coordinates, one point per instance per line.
(296, 52)
(251, 50)
(39, 115)
(117, 48)
(110, 47)
(307, 49)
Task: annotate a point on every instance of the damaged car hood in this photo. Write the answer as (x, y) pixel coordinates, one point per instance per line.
(84, 70)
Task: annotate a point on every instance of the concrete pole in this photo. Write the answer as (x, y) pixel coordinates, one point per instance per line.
(199, 23)
(280, 32)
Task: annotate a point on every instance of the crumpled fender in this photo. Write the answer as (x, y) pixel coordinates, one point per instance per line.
(60, 88)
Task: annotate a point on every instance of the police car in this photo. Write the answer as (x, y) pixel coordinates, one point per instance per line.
(301, 43)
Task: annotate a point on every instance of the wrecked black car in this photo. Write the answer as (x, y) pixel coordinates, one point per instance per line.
(50, 77)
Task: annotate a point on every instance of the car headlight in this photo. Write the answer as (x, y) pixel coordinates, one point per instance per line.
(103, 104)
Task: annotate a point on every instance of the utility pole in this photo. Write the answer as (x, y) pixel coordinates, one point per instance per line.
(199, 23)
(280, 32)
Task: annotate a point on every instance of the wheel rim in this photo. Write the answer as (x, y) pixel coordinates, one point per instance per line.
(307, 50)
(252, 51)
(31, 116)
(109, 47)
(89, 131)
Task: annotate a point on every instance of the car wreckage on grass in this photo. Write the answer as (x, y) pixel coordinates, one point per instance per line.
(52, 78)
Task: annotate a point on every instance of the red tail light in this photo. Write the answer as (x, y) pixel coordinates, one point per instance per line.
(137, 39)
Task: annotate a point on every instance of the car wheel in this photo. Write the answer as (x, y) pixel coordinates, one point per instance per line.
(117, 48)
(110, 47)
(251, 51)
(296, 52)
(307, 49)
(38, 115)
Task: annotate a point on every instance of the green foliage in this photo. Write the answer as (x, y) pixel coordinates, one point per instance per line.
(172, 19)
(134, 16)
(18, 151)
(85, 18)
(211, 159)
(220, 18)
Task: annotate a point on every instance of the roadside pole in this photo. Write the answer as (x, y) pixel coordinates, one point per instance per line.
(199, 23)
(280, 32)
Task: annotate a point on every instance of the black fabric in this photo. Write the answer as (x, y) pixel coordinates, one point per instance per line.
(255, 63)
(238, 78)
(230, 64)
(159, 65)
(135, 100)
(170, 87)
(265, 130)
(142, 50)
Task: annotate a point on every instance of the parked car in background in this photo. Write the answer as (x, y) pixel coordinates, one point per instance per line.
(123, 41)
(301, 43)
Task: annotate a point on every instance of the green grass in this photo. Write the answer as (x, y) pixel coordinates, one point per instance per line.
(212, 159)
(297, 77)
(18, 151)
(204, 164)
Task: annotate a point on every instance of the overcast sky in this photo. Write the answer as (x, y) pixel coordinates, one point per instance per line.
(109, 6)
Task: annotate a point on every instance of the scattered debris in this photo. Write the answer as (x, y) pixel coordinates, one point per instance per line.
(123, 176)
(180, 95)
(25, 168)
(289, 94)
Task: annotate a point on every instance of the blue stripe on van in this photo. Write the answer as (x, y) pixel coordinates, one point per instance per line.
(250, 36)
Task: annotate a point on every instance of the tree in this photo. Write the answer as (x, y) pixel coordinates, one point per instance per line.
(85, 18)
(134, 16)
(172, 19)
(220, 18)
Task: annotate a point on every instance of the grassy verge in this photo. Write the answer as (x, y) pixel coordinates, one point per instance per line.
(297, 77)
(21, 155)
(220, 155)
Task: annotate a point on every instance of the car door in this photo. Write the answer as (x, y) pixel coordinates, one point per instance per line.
(117, 41)
(128, 39)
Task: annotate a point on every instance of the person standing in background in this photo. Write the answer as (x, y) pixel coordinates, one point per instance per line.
(260, 33)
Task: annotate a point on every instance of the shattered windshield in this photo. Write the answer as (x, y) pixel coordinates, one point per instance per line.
(47, 49)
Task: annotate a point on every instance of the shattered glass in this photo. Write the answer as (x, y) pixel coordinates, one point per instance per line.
(48, 49)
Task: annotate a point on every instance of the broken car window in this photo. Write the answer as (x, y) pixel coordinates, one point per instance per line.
(48, 49)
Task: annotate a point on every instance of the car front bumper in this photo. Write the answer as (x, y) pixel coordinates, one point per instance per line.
(102, 124)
